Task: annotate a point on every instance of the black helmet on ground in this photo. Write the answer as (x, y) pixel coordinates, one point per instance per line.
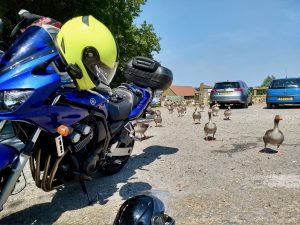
(143, 210)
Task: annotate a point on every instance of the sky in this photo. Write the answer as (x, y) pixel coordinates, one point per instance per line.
(218, 40)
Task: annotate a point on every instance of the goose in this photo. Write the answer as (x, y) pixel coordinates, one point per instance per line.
(140, 129)
(202, 107)
(150, 110)
(184, 109)
(210, 127)
(157, 117)
(180, 111)
(274, 136)
(196, 115)
(215, 109)
(227, 113)
(170, 108)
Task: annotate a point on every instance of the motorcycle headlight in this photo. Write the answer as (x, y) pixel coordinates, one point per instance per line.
(11, 100)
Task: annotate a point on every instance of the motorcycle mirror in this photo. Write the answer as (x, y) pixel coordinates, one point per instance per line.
(22, 12)
(1, 26)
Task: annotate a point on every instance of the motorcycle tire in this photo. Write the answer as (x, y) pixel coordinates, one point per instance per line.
(115, 164)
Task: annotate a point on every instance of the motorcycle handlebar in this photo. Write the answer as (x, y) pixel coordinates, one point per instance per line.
(22, 12)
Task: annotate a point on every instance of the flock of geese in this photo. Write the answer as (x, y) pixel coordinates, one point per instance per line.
(273, 136)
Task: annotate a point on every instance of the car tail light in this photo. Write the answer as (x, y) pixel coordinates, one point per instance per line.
(213, 91)
(238, 89)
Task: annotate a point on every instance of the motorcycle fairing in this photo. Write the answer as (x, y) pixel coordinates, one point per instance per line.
(7, 156)
(34, 110)
(34, 43)
(142, 105)
(37, 108)
(87, 99)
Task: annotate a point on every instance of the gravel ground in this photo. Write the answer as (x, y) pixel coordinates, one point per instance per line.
(226, 181)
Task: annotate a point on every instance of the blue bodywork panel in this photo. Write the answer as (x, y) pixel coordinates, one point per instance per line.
(88, 99)
(8, 155)
(139, 109)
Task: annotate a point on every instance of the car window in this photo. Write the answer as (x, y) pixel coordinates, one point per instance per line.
(225, 85)
(285, 83)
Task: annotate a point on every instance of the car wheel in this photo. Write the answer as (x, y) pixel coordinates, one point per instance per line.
(245, 105)
(269, 106)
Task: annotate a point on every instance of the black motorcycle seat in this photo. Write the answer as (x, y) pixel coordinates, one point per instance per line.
(120, 109)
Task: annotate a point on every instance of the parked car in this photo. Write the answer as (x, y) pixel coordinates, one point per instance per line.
(283, 91)
(155, 102)
(231, 92)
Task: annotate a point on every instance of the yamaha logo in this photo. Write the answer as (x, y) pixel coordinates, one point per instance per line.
(93, 101)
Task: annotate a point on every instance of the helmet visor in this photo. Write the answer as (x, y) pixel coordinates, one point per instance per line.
(97, 70)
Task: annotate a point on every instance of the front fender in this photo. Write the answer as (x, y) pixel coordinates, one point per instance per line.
(8, 155)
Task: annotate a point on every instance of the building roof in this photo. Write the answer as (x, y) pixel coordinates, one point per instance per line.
(183, 90)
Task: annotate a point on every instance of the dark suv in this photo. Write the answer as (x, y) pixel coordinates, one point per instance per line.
(231, 92)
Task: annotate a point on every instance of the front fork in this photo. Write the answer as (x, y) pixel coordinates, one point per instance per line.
(18, 168)
(2, 124)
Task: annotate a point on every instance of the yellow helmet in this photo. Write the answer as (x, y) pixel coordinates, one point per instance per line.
(88, 47)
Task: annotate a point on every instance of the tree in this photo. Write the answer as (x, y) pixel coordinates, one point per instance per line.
(267, 81)
(117, 15)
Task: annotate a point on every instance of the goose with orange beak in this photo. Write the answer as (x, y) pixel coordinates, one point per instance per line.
(274, 136)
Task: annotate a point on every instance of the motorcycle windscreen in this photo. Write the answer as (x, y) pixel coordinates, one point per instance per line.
(35, 42)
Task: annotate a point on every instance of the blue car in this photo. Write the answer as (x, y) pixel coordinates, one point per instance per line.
(283, 91)
(155, 102)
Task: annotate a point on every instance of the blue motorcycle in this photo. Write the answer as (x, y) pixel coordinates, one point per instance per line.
(68, 134)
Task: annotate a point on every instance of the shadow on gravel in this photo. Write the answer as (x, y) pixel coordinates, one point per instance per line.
(147, 137)
(132, 189)
(100, 189)
(239, 147)
(268, 151)
(209, 138)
